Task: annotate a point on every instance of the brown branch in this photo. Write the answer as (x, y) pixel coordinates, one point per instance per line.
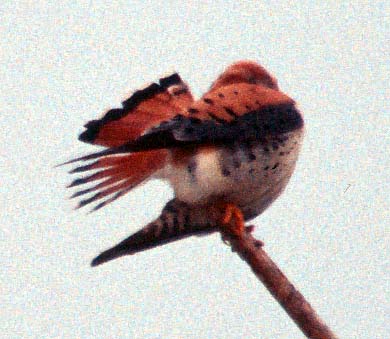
(293, 302)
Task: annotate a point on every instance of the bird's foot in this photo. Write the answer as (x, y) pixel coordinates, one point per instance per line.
(233, 220)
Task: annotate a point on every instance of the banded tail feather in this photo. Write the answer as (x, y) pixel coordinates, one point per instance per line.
(177, 221)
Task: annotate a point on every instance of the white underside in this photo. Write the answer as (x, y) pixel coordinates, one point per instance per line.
(207, 179)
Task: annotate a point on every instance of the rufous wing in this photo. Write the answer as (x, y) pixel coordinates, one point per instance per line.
(144, 109)
(114, 174)
(238, 112)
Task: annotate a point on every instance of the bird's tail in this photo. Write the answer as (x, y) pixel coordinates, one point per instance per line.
(176, 221)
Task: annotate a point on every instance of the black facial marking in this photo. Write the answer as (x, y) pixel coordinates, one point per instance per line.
(221, 95)
(275, 166)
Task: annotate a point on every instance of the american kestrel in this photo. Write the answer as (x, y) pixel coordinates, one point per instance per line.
(227, 156)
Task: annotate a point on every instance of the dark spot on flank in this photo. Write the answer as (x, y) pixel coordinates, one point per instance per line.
(191, 166)
(193, 111)
(208, 101)
(248, 107)
(236, 163)
(275, 166)
(235, 92)
(281, 139)
(266, 168)
(281, 153)
(221, 95)
(257, 102)
(251, 171)
(251, 157)
(266, 149)
(225, 172)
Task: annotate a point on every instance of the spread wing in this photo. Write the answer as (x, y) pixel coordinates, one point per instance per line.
(118, 174)
(144, 109)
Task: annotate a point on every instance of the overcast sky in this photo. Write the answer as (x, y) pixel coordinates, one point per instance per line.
(65, 63)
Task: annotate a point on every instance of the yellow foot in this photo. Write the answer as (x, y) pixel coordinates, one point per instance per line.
(233, 220)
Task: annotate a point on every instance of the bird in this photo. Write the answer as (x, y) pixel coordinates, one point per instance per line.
(227, 155)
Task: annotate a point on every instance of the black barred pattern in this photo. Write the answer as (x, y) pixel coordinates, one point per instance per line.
(128, 105)
(173, 224)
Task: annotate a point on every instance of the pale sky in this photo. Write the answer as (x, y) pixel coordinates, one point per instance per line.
(65, 63)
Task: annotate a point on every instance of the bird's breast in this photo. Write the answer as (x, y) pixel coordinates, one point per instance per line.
(250, 174)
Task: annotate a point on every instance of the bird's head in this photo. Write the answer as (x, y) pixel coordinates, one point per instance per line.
(246, 72)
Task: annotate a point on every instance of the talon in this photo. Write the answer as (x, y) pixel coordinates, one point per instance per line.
(233, 220)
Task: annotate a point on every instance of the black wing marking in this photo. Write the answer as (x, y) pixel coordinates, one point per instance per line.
(254, 125)
(93, 127)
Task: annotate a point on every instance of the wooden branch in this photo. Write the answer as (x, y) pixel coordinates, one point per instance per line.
(293, 302)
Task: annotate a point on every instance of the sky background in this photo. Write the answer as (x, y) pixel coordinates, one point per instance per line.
(62, 65)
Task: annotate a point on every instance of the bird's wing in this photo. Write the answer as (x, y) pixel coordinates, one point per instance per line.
(118, 174)
(228, 114)
(144, 109)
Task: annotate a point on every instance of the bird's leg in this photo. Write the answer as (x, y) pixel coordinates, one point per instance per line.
(233, 220)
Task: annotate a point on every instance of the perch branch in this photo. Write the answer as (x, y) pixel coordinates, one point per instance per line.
(293, 302)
